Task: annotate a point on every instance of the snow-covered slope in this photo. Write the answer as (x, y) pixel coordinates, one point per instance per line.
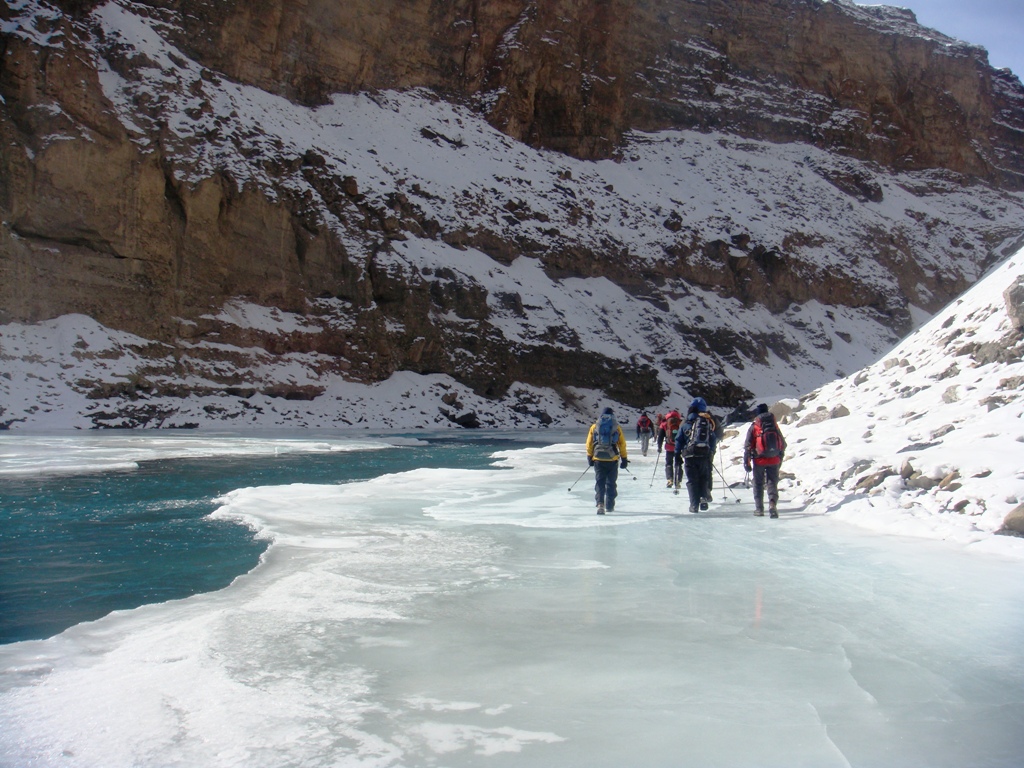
(928, 441)
(700, 262)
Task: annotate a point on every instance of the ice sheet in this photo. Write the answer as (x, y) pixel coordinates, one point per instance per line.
(489, 617)
(68, 454)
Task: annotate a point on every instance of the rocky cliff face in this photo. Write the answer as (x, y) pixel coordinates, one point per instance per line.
(576, 75)
(762, 184)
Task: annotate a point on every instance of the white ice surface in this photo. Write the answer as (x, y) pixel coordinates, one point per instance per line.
(50, 454)
(489, 617)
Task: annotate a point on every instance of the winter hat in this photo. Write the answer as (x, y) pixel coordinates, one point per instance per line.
(762, 408)
(699, 404)
(608, 410)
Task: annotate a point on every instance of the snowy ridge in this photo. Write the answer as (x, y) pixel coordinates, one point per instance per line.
(928, 440)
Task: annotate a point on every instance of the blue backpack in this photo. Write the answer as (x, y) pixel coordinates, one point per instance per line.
(606, 438)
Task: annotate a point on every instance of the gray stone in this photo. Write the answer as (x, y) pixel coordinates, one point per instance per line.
(923, 482)
(780, 411)
(1014, 298)
(814, 418)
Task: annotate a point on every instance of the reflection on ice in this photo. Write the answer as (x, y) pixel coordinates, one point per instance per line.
(488, 617)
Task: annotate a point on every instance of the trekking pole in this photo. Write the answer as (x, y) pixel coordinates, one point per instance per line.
(655, 474)
(726, 484)
(579, 478)
(626, 470)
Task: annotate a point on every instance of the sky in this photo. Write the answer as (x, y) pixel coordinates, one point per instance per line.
(998, 25)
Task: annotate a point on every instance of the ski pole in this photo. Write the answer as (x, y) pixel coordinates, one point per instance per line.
(725, 483)
(655, 474)
(579, 478)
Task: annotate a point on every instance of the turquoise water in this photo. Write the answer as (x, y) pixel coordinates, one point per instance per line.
(74, 548)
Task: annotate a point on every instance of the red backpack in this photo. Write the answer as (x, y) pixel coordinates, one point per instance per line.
(767, 438)
(672, 423)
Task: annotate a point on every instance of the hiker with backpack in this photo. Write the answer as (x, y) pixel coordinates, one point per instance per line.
(644, 432)
(695, 448)
(668, 430)
(763, 452)
(606, 452)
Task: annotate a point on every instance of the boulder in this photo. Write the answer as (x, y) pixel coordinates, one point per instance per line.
(1014, 298)
(1013, 523)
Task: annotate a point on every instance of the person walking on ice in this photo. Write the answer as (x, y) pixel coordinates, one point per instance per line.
(763, 452)
(606, 452)
(695, 447)
(668, 430)
(644, 432)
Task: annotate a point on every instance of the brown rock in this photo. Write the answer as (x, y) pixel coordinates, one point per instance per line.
(1014, 521)
(868, 482)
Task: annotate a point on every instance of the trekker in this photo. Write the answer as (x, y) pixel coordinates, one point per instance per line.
(766, 447)
(695, 448)
(644, 432)
(606, 452)
(668, 428)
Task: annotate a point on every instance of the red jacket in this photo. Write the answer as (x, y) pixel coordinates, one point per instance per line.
(749, 445)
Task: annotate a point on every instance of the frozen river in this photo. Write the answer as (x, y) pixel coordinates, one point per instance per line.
(486, 617)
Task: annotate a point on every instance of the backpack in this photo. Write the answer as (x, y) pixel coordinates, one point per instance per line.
(699, 439)
(767, 439)
(644, 424)
(606, 438)
(672, 423)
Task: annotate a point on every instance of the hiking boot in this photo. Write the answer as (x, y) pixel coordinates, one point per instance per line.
(600, 509)
(758, 513)
(677, 486)
(668, 484)
(703, 506)
(693, 509)
(773, 513)
(610, 509)
(708, 498)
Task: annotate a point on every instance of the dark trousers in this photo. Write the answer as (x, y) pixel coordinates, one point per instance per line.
(763, 476)
(698, 478)
(673, 469)
(606, 475)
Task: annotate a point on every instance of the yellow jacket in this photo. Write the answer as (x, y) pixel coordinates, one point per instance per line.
(620, 446)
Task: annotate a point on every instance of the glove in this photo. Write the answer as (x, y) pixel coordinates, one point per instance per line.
(746, 466)
(590, 461)
(624, 463)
